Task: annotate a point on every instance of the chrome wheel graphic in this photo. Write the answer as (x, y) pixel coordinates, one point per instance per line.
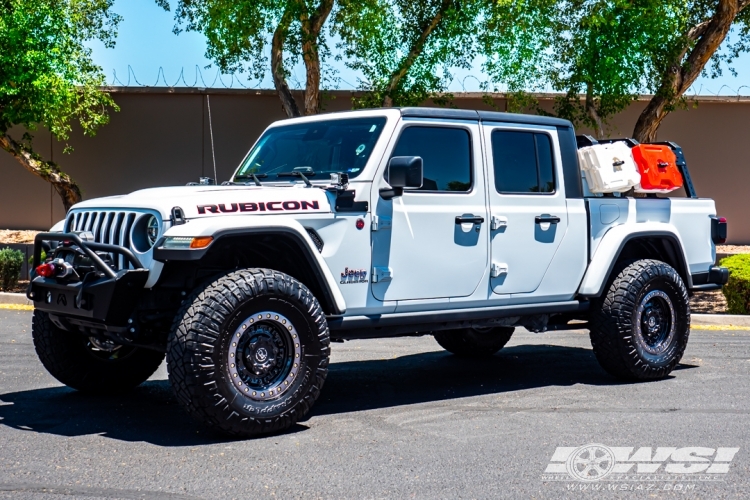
(591, 462)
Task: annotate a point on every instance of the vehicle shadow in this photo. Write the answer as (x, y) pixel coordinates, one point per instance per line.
(150, 413)
(435, 376)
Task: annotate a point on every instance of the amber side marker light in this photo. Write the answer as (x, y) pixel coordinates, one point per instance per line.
(187, 242)
(201, 242)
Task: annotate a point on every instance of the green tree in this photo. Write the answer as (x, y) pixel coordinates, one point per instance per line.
(603, 50)
(602, 54)
(48, 78)
(514, 39)
(405, 50)
(593, 53)
(702, 28)
(238, 31)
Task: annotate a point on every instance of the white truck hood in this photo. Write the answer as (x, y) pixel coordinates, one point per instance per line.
(205, 201)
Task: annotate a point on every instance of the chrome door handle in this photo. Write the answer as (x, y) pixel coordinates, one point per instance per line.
(552, 219)
(466, 219)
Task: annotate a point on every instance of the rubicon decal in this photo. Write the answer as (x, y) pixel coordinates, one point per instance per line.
(268, 206)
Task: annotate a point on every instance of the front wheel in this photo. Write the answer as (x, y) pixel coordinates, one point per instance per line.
(474, 342)
(640, 328)
(89, 364)
(249, 352)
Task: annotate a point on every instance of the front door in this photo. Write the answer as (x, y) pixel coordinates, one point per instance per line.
(527, 203)
(433, 242)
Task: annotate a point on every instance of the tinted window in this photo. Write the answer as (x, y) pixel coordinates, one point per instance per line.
(446, 153)
(522, 162)
(315, 148)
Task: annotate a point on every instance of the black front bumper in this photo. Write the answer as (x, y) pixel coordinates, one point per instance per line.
(105, 299)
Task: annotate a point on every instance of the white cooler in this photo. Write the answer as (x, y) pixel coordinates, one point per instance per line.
(609, 168)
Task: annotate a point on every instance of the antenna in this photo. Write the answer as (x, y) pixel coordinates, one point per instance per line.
(211, 131)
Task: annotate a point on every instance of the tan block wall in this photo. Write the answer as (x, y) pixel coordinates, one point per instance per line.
(162, 138)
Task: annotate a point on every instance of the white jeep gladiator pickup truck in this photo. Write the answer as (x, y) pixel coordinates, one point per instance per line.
(378, 223)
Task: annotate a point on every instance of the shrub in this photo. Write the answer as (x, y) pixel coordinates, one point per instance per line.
(41, 259)
(737, 290)
(10, 268)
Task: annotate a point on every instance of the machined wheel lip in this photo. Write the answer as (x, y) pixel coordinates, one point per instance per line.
(294, 355)
(665, 341)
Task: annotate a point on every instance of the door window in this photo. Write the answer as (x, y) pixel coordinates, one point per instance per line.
(446, 155)
(522, 162)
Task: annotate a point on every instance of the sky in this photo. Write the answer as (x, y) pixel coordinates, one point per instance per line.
(149, 53)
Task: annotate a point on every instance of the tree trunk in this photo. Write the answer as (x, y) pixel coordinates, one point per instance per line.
(414, 53)
(66, 187)
(592, 113)
(683, 71)
(311, 27)
(277, 66)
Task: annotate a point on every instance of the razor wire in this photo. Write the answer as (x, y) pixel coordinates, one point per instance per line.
(231, 80)
(198, 82)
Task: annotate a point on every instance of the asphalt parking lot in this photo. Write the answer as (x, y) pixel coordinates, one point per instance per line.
(397, 418)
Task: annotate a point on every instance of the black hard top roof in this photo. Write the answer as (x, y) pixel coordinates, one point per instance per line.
(484, 116)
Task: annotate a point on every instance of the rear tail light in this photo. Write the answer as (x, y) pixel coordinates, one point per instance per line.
(719, 230)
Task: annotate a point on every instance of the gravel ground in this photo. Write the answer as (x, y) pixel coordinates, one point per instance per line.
(732, 248)
(712, 302)
(17, 236)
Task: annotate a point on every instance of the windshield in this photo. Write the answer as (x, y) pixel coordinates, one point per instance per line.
(313, 149)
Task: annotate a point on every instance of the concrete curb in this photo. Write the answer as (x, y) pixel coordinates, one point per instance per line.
(14, 298)
(720, 319)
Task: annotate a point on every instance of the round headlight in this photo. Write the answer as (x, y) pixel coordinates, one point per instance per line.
(152, 230)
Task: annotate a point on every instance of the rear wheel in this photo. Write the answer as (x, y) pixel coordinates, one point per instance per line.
(249, 353)
(474, 342)
(640, 328)
(89, 364)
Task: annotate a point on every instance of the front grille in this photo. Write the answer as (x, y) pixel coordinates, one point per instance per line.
(110, 227)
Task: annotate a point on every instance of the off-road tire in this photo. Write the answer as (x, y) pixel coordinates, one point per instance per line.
(71, 359)
(624, 343)
(473, 342)
(217, 320)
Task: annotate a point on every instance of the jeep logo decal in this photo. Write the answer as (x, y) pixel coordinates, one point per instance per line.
(271, 206)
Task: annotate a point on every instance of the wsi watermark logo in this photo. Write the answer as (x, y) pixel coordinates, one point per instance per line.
(594, 463)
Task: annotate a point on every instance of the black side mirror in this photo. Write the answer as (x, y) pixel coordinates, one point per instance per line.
(404, 172)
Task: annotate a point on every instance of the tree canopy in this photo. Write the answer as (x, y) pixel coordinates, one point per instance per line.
(605, 51)
(602, 54)
(239, 31)
(406, 50)
(48, 78)
(693, 48)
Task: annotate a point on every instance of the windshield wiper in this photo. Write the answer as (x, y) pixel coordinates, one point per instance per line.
(254, 177)
(297, 173)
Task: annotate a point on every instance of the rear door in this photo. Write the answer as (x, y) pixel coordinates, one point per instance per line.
(527, 204)
(425, 250)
